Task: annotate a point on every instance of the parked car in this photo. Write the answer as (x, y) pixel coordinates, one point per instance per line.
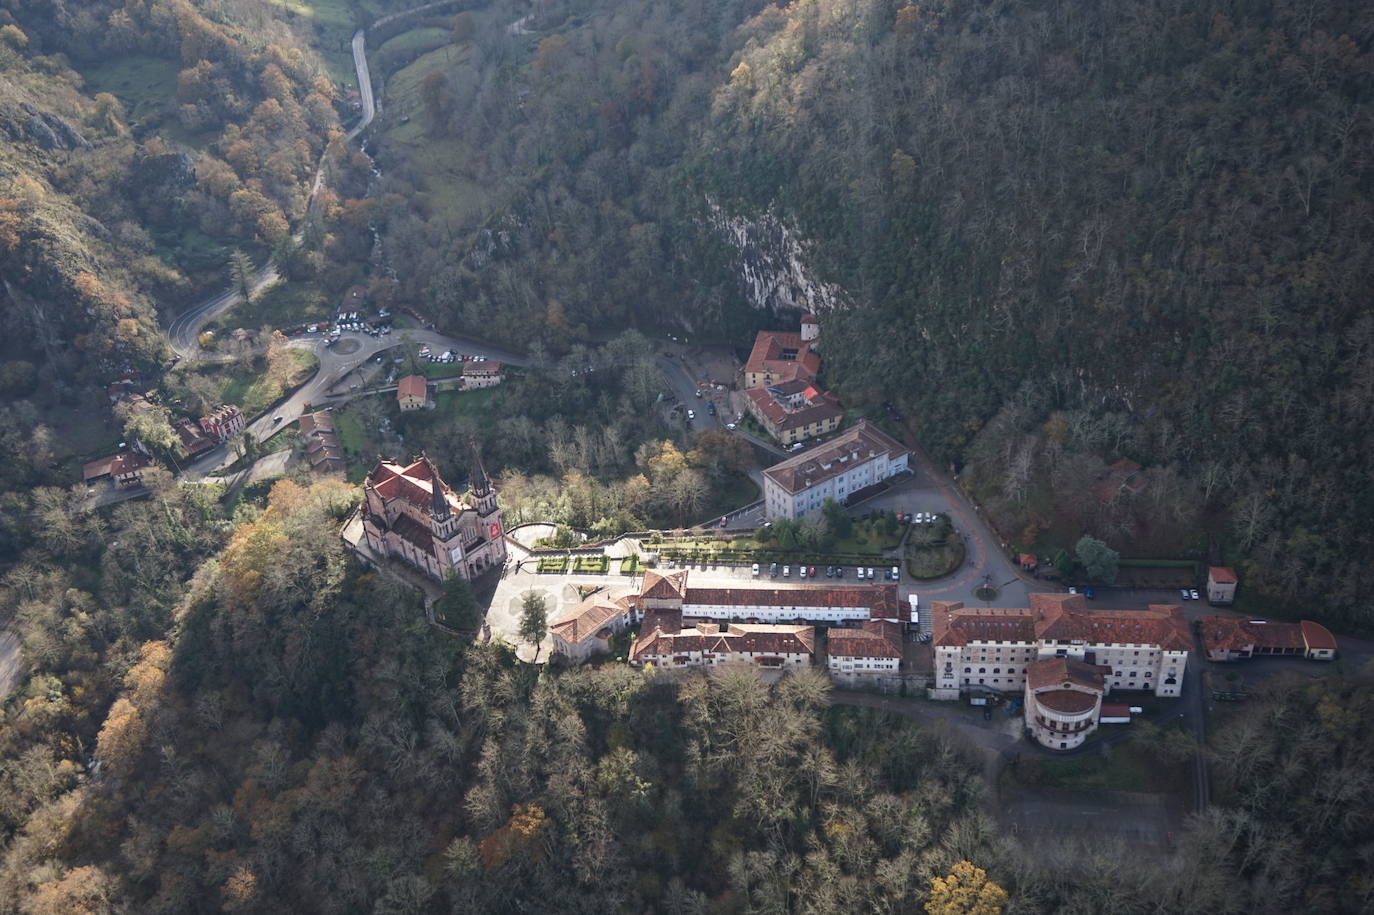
(691, 415)
(1073, 590)
(756, 570)
(896, 573)
(1089, 593)
(711, 407)
(275, 420)
(730, 426)
(829, 571)
(724, 521)
(1184, 593)
(871, 576)
(773, 571)
(839, 573)
(1194, 595)
(786, 571)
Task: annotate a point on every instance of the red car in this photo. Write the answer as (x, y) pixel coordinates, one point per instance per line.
(812, 572)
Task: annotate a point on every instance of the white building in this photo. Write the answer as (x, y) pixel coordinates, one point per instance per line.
(586, 630)
(858, 654)
(852, 461)
(1221, 586)
(983, 649)
(1063, 701)
(816, 604)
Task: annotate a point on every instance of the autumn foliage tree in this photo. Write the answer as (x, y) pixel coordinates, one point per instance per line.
(965, 891)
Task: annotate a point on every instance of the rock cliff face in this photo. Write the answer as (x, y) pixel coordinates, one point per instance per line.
(772, 263)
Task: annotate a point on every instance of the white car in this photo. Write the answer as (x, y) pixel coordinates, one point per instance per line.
(896, 573)
(786, 571)
(802, 573)
(730, 426)
(870, 573)
(756, 570)
(1073, 590)
(1193, 594)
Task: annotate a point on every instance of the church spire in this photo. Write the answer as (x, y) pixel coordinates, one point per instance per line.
(438, 502)
(480, 485)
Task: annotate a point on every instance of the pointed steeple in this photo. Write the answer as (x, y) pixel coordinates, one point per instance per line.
(438, 503)
(480, 485)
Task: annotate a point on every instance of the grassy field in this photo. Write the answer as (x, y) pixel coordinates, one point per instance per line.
(428, 39)
(440, 162)
(247, 386)
(284, 305)
(475, 405)
(1121, 767)
(144, 84)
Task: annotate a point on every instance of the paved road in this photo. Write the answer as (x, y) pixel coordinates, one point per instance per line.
(684, 388)
(364, 79)
(185, 328)
(9, 662)
(329, 386)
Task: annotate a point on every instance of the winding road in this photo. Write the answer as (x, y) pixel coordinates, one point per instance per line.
(184, 330)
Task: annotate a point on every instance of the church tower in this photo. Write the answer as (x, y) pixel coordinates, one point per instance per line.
(442, 520)
(483, 496)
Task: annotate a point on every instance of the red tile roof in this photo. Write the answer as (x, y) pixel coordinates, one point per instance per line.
(411, 386)
(193, 438)
(710, 638)
(412, 483)
(1115, 710)
(659, 586)
(98, 468)
(1060, 616)
(1052, 671)
(845, 451)
(412, 530)
(589, 617)
(321, 421)
(1317, 636)
(486, 367)
(784, 419)
(1066, 701)
(1233, 633)
(1222, 575)
(877, 639)
(771, 352)
(114, 465)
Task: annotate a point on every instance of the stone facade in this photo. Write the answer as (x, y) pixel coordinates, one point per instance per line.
(990, 649)
(410, 514)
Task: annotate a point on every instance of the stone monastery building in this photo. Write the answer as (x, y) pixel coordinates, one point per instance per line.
(990, 649)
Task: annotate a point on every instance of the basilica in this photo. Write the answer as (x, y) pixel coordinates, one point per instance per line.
(410, 514)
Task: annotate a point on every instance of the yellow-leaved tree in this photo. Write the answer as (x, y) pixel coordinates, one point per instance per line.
(966, 891)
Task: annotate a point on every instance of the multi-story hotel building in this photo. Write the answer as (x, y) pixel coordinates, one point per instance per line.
(853, 460)
(990, 649)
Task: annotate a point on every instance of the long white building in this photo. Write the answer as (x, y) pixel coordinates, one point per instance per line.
(981, 649)
(811, 603)
(854, 460)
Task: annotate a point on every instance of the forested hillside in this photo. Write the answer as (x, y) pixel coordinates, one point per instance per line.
(1077, 233)
(142, 143)
(285, 731)
(1066, 234)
